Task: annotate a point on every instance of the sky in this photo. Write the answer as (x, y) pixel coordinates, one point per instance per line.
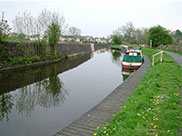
(99, 18)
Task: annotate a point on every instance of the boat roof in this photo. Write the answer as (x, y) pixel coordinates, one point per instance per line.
(134, 50)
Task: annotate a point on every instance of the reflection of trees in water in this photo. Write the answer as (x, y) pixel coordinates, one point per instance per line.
(46, 93)
(116, 57)
(6, 104)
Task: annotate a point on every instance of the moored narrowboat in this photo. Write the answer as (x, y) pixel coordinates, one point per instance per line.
(132, 60)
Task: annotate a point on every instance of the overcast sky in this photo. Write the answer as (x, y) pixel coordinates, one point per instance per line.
(101, 17)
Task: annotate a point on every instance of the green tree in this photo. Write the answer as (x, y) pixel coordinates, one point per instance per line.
(117, 39)
(159, 35)
(177, 35)
(52, 34)
(4, 28)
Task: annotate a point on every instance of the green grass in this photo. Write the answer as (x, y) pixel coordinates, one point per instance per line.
(154, 107)
(117, 46)
(175, 51)
(14, 61)
(16, 40)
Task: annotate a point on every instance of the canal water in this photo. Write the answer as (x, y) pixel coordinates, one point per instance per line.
(44, 100)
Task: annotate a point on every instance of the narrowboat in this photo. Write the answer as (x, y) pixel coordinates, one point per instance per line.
(132, 60)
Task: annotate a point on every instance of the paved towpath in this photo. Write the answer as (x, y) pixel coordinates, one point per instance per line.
(178, 58)
(102, 113)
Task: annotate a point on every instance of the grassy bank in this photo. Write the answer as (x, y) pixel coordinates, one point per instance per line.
(23, 60)
(10, 39)
(153, 109)
(117, 46)
(174, 51)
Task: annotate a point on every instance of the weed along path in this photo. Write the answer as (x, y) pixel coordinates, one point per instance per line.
(102, 113)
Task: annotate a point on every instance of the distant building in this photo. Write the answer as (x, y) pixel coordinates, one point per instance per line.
(100, 40)
(68, 38)
(87, 39)
(35, 37)
(13, 35)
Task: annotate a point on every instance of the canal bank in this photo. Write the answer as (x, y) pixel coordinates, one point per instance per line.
(64, 51)
(102, 113)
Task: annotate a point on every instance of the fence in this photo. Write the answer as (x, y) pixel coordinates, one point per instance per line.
(153, 60)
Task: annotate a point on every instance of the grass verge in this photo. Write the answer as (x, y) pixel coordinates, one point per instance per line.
(24, 60)
(117, 46)
(154, 108)
(174, 51)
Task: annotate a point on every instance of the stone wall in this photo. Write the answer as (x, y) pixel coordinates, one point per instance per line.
(64, 50)
(16, 49)
(72, 49)
(172, 47)
(98, 46)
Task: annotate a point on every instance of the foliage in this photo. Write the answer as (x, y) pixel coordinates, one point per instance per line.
(16, 39)
(117, 39)
(4, 29)
(3, 51)
(178, 32)
(175, 51)
(6, 104)
(153, 108)
(14, 61)
(177, 35)
(21, 35)
(53, 33)
(132, 35)
(141, 35)
(159, 35)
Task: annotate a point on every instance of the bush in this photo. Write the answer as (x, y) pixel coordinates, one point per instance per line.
(53, 33)
(117, 39)
(4, 29)
(22, 60)
(159, 35)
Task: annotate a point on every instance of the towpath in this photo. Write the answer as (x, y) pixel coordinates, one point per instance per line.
(178, 59)
(102, 113)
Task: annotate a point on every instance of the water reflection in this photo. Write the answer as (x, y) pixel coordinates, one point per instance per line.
(116, 55)
(36, 87)
(126, 74)
(6, 104)
(47, 93)
(13, 80)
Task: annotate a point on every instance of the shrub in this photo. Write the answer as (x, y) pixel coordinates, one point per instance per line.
(159, 35)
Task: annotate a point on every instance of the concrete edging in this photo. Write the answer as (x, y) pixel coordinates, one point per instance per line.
(102, 113)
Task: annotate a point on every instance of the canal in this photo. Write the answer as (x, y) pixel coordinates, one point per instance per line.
(44, 100)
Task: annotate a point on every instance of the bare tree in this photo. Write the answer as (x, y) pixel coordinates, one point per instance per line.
(141, 35)
(118, 31)
(27, 24)
(128, 32)
(74, 31)
(46, 17)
